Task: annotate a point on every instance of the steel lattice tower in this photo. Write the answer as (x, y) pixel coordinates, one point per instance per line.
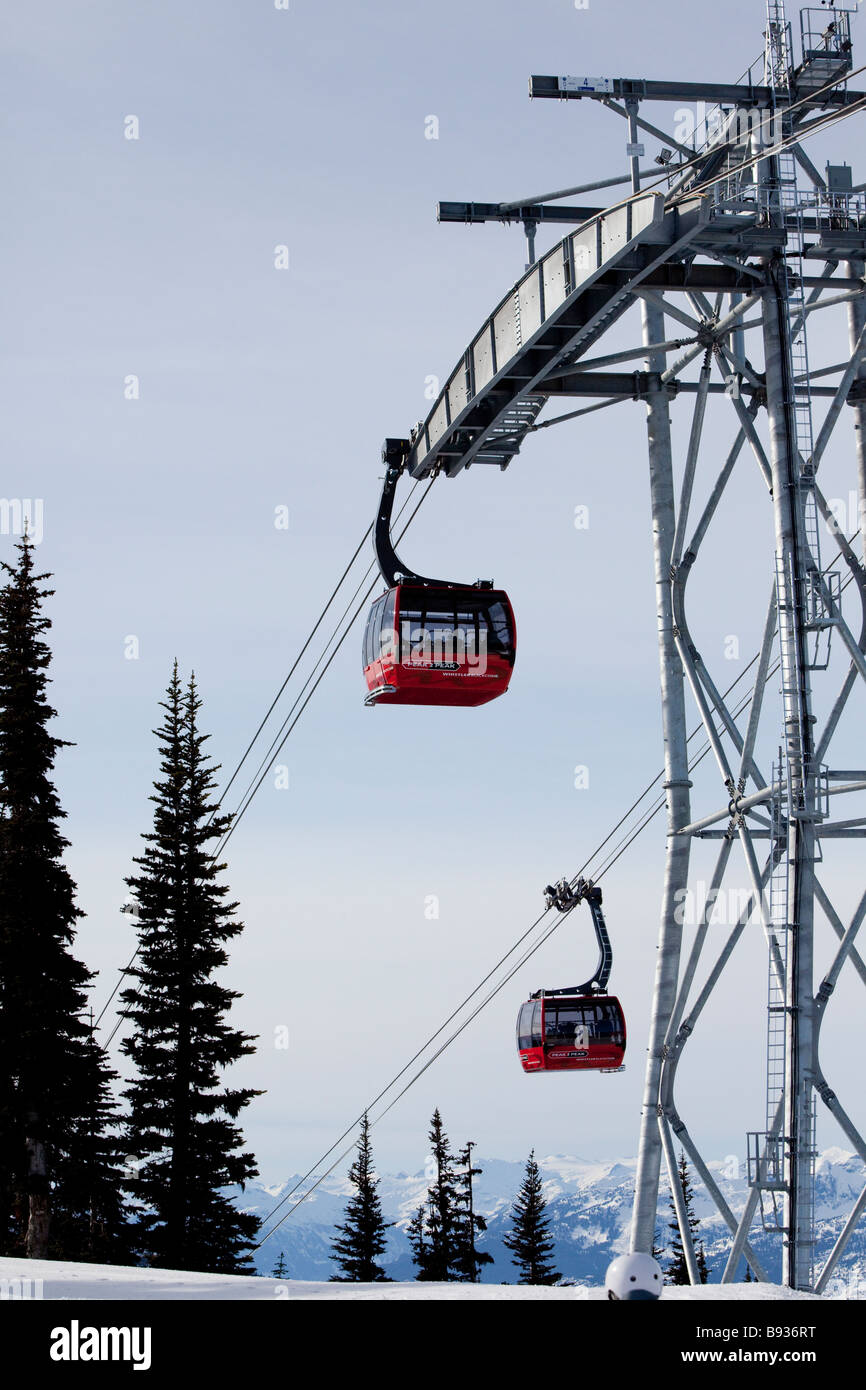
(722, 243)
(804, 608)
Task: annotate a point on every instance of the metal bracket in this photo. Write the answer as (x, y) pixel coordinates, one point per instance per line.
(564, 898)
(391, 567)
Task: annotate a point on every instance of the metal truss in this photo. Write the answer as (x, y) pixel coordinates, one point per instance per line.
(726, 260)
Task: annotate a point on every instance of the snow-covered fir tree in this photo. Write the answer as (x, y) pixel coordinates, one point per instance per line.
(529, 1238)
(435, 1231)
(182, 1116)
(60, 1162)
(470, 1223)
(678, 1271)
(361, 1238)
(416, 1232)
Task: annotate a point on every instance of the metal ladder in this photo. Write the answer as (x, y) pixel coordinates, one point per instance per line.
(801, 396)
(779, 68)
(787, 600)
(778, 965)
(504, 438)
(806, 1203)
(771, 1172)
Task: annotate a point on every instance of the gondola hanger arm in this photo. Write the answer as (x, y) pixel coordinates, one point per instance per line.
(564, 898)
(391, 567)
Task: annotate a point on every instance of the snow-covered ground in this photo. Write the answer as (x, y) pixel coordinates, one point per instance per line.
(64, 1280)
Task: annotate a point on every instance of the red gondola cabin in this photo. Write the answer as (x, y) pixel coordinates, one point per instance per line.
(577, 1032)
(427, 645)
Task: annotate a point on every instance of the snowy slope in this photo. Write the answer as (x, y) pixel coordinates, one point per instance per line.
(63, 1280)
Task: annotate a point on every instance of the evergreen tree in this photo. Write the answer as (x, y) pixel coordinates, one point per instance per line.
(89, 1212)
(658, 1250)
(469, 1221)
(417, 1233)
(443, 1257)
(60, 1173)
(529, 1238)
(435, 1234)
(362, 1236)
(749, 1277)
(678, 1271)
(181, 1123)
(281, 1268)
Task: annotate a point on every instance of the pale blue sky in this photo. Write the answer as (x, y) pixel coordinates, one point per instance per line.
(261, 388)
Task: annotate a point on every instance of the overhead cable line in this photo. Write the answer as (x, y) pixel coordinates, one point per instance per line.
(289, 723)
(613, 856)
(294, 668)
(248, 795)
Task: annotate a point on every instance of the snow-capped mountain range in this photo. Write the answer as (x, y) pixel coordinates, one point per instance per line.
(589, 1205)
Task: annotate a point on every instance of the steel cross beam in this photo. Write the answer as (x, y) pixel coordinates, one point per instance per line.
(528, 212)
(714, 93)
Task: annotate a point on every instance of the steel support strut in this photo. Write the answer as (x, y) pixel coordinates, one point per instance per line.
(792, 563)
(856, 323)
(677, 786)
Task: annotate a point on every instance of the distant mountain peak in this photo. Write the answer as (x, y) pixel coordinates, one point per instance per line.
(589, 1205)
